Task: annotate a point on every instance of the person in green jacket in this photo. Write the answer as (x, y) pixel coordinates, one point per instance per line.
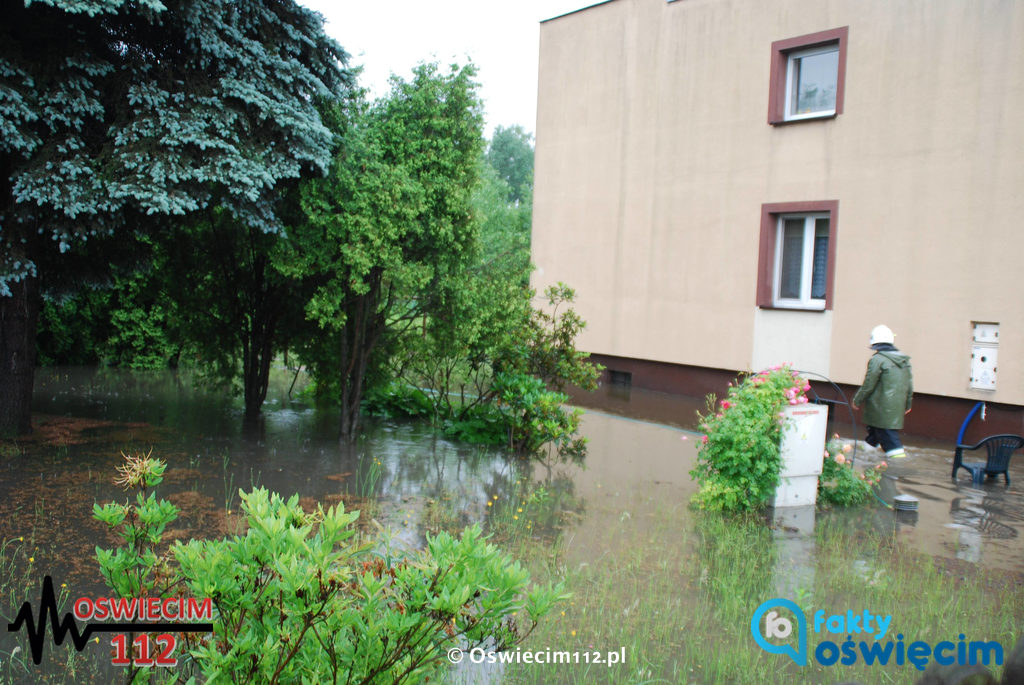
(885, 393)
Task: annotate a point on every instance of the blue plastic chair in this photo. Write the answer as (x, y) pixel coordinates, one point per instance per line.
(999, 448)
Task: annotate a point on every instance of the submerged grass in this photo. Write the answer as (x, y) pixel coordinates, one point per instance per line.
(679, 594)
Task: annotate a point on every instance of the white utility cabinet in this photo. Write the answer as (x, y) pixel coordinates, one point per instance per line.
(802, 450)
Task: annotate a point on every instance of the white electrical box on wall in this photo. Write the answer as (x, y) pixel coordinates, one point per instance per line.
(984, 355)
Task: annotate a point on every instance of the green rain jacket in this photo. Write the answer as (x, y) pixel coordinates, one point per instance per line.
(887, 389)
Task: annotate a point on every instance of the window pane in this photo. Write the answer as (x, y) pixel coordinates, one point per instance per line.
(814, 82)
(791, 263)
(820, 264)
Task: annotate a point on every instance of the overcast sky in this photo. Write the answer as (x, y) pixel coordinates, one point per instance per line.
(500, 37)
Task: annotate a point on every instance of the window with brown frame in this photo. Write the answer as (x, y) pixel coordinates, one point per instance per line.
(808, 76)
(796, 258)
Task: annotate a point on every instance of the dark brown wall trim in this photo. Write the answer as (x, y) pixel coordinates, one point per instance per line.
(933, 416)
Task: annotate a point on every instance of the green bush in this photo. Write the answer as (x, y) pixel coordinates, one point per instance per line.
(299, 598)
(738, 458)
(481, 424)
(397, 399)
(839, 482)
(534, 416)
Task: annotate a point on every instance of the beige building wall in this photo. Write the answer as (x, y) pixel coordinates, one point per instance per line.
(654, 155)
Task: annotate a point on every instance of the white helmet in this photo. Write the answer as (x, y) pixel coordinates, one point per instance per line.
(881, 334)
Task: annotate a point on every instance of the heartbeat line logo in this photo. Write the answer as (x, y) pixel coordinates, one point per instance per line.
(61, 628)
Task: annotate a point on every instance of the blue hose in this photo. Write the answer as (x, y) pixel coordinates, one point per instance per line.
(963, 427)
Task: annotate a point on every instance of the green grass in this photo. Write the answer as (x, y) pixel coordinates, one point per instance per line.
(679, 592)
(20, 582)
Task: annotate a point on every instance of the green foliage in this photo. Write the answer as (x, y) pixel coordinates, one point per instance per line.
(126, 321)
(134, 570)
(68, 328)
(142, 325)
(111, 107)
(397, 399)
(311, 606)
(116, 116)
(839, 483)
(235, 310)
(504, 227)
(535, 416)
(547, 350)
(388, 226)
(299, 598)
(481, 424)
(510, 153)
(738, 460)
(515, 360)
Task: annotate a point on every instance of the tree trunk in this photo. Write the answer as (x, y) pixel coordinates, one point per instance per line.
(363, 328)
(351, 396)
(19, 314)
(256, 358)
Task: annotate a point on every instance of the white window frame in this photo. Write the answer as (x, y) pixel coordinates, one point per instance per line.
(790, 100)
(805, 301)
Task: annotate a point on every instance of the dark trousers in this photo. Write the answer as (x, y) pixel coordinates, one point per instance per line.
(886, 437)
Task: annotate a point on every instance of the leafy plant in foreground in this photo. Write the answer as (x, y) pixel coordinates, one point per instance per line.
(130, 571)
(300, 598)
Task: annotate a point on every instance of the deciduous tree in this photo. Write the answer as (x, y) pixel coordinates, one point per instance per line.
(389, 224)
(510, 153)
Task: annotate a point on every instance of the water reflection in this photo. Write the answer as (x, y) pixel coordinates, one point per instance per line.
(640, 454)
(796, 549)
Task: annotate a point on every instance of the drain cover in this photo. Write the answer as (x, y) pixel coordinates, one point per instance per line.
(905, 502)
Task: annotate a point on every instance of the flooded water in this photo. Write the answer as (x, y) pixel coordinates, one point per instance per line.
(641, 449)
(955, 519)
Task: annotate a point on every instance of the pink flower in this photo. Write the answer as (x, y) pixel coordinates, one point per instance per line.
(726, 404)
(840, 459)
(704, 440)
(847, 448)
(882, 465)
(793, 402)
(803, 400)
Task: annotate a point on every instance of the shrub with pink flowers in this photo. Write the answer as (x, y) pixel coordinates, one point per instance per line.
(738, 459)
(839, 482)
